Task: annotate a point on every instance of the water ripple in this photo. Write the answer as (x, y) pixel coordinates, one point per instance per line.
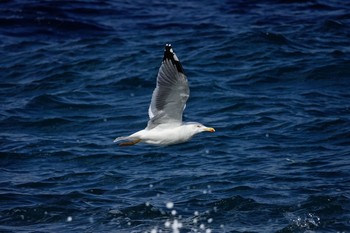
(271, 77)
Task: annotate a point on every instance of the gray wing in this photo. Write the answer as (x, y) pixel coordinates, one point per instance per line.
(171, 93)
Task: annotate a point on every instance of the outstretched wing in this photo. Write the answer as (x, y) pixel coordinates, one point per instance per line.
(171, 93)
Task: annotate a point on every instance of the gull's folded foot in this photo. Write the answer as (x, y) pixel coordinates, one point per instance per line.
(130, 143)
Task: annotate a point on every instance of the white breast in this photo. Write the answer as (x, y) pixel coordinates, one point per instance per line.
(167, 136)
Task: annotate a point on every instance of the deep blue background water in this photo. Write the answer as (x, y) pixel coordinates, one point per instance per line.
(271, 76)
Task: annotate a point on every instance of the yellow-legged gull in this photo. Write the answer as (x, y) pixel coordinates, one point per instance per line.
(165, 126)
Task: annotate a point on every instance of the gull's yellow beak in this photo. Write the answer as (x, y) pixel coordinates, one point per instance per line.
(209, 129)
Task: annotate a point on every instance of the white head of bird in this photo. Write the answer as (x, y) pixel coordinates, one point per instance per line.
(199, 128)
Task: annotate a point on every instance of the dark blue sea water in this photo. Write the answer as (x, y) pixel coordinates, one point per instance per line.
(272, 77)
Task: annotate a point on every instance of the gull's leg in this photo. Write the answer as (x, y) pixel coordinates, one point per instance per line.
(130, 143)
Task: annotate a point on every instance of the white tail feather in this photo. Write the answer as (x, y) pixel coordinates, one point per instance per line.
(121, 139)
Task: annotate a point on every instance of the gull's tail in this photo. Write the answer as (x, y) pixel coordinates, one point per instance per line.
(120, 139)
(129, 141)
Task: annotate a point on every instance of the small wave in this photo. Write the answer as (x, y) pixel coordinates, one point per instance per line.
(159, 26)
(51, 101)
(257, 37)
(27, 216)
(315, 213)
(46, 100)
(274, 38)
(134, 82)
(236, 203)
(51, 19)
(333, 25)
(138, 212)
(301, 222)
(335, 73)
(50, 27)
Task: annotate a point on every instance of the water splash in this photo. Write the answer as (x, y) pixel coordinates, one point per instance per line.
(199, 222)
(307, 221)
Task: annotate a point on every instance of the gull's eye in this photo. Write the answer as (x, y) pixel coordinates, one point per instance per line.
(198, 126)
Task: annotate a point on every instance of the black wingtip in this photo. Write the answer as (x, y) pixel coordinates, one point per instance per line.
(169, 54)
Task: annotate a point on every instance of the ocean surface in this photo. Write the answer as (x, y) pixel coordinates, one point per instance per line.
(272, 77)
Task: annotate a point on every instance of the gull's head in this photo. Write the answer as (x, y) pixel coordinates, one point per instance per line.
(198, 128)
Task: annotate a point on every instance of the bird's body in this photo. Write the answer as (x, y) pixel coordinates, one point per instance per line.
(167, 134)
(165, 126)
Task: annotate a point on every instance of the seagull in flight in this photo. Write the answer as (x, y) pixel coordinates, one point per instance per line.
(165, 126)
